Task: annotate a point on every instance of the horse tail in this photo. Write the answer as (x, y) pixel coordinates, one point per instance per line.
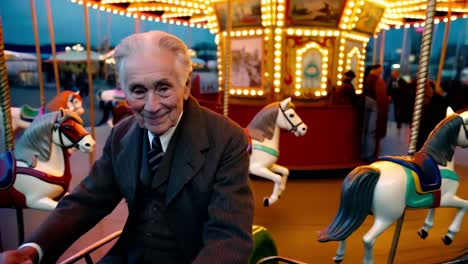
(357, 194)
(106, 108)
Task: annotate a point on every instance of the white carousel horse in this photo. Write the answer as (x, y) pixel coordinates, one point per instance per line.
(264, 131)
(388, 186)
(23, 116)
(37, 173)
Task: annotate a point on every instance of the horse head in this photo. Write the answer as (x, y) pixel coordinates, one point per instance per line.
(68, 132)
(289, 119)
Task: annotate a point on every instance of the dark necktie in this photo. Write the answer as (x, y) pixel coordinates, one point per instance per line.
(155, 155)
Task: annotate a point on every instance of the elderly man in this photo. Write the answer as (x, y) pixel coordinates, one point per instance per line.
(182, 169)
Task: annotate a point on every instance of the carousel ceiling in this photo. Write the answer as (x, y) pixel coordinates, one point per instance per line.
(212, 14)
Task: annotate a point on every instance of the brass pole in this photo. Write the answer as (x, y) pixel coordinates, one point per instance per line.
(374, 51)
(403, 56)
(38, 53)
(90, 76)
(382, 48)
(52, 45)
(420, 87)
(227, 57)
(5, 99)
(444, 48)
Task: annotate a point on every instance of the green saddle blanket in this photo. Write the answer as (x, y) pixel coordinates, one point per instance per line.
(28, 113)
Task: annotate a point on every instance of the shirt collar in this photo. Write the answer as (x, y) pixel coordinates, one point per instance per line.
(166, 137)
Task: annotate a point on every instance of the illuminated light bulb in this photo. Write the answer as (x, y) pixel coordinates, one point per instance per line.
(298, 86)
(317, 93)
(277, 90)
(276, 83)
(324, 93)
(259, 31)
(298, 72)
(324, 85)
(253, 92)
(338, 83)
(239, 91)
(232, 91)
(290, 31)
(245, 92)
(297, 93)
(359, 91)
(260, 93)
(324, 72)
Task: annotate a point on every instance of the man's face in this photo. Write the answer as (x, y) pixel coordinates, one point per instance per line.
(155, 90)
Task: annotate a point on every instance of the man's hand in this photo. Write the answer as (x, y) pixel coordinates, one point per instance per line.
(25, 255)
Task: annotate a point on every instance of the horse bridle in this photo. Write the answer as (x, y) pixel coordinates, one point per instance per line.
(65, 131)
(294, 127)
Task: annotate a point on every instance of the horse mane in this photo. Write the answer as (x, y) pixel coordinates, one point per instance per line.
(441, 143)
(61, 101)
(264, 122)
(36, 140)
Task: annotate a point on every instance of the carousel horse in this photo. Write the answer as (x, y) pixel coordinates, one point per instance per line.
(24, 115)
(37, 173)
(388, 186)
(264, 133)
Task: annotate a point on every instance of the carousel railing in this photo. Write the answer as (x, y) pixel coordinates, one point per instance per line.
(86, 253)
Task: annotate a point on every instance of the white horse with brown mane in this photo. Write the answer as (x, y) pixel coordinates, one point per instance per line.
(388, 186)
(264, 131)
(37, 174)
(22, 117)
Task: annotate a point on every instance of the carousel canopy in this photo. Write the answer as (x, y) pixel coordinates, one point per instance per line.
(257, 13)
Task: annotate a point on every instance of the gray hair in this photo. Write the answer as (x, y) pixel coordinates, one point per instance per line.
(153, 41)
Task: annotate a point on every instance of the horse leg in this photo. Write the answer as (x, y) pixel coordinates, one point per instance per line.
(265, 173)
(284, 172)
(454, 228)
(423, 232)
(338, 258)
(380, 225)
(44, 203)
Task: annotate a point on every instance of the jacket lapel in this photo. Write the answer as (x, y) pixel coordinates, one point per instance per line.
(191, 143)
(129, 160)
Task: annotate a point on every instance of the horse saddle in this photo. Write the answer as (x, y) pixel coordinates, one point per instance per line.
(425, 168)
(7, 169)
(28, 113)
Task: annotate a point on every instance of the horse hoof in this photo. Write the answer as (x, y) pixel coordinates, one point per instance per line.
(422, 233)
(266, 202)
(337, 260)
(447, 240)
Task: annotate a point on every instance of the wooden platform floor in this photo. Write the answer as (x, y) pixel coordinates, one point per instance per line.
(306, 207)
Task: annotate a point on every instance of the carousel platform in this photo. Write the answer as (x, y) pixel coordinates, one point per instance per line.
(307, 206)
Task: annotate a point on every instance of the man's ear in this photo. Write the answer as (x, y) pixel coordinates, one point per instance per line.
(188, 86)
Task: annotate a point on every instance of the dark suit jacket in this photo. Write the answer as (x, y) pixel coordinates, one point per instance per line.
(209, 201)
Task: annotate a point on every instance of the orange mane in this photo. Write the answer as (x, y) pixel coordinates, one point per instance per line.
(61, 101)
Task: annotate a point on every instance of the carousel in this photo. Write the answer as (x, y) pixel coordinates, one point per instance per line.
(286, 58)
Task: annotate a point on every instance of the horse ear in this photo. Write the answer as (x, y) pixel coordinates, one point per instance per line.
(284, 104)
(449, 111)
(77, 92)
